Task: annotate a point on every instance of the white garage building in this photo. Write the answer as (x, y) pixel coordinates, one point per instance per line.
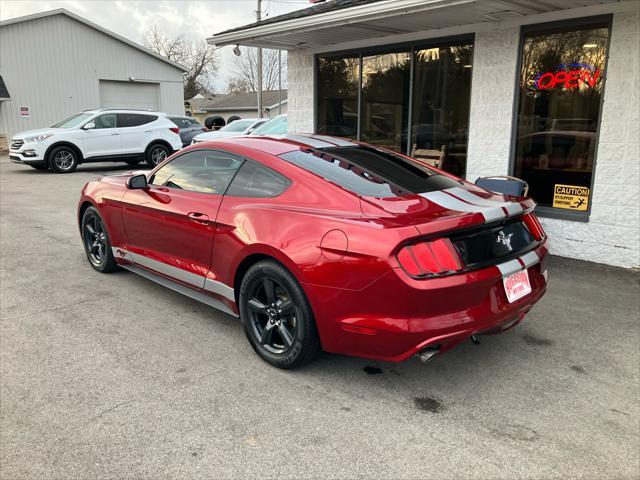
(56, 63)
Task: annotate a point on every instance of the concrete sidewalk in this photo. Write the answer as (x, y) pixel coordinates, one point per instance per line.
(112, 376)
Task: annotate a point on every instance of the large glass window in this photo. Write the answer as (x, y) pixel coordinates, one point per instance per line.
(385, 99)
(338, 80)
(370, 96)
(561, 87)
(442, 89)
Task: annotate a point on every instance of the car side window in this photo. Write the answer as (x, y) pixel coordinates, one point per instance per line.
(204, 171)
(108, 120)
(134, 119)
(254, 180)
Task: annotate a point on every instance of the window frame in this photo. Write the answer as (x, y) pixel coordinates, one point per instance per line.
(152, 174)
(599, 21)
(359, 53)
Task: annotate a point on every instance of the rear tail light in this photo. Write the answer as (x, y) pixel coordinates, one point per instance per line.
(429, 258)
(175, 129)
(533, 225)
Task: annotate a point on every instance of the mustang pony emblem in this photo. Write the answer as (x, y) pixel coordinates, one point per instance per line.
(503, 239)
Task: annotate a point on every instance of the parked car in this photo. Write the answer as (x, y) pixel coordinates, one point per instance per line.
(129, 136)
(189, 128)
(276, 126)
(319, 243)
(236, 128)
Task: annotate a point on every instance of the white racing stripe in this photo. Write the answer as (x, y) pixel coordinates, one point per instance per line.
(512, 207)
(310, 141)
(490, 214)
(466, 201)
(340, 142)
(513, 266)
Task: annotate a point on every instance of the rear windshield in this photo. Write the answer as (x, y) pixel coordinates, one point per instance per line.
(370, 172)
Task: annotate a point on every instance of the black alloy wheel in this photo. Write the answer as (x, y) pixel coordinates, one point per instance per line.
(276, 315)
(96, 242)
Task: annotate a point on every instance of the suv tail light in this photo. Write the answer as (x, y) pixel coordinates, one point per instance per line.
(175, 129)
(533, 225)
(429, 258)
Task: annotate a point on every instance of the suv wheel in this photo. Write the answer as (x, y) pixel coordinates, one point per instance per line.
(156, 154)
(63, 159)
(277, 317)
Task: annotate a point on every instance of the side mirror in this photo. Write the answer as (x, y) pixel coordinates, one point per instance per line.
(89, 126)
(137, 182)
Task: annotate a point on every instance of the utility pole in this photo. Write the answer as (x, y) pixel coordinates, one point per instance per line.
(259, 79)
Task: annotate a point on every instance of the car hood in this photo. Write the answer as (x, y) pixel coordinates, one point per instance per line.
(203, 137)
(37, 131)
(441, 210)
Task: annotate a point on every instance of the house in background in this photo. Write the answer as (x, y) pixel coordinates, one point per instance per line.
(546, 91)
(56, 63)
(243, 105)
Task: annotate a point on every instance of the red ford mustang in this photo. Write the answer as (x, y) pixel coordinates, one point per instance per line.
(320, 243)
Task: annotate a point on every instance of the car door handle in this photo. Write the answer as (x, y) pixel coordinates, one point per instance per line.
(113, 134)
(198, 217)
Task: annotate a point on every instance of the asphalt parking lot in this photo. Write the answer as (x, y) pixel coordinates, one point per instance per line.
(113, 376)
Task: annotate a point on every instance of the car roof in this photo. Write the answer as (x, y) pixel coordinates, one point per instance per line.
(279, 144)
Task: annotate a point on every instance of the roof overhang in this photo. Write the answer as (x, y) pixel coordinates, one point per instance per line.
(386, 18)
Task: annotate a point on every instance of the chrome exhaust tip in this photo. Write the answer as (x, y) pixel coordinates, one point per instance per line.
(427, 354)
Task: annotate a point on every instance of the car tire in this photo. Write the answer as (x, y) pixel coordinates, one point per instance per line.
(97, 245)
(278, 321)
(156, 154)
(63, 159)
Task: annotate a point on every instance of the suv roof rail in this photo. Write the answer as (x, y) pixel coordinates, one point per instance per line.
(128, 110)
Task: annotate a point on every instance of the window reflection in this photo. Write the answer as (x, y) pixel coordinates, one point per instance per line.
(385, 99)
(338, 80)
(561, 85)
(441, 104)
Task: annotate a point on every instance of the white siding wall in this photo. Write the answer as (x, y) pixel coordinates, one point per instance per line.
(53, 65)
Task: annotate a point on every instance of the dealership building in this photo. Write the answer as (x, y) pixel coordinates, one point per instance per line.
(544, 91)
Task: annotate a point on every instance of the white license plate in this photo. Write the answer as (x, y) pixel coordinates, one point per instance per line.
(517, 285)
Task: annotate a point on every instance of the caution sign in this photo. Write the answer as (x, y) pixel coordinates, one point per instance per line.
(572, 197)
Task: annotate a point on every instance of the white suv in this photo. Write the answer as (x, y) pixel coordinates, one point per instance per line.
(129, 136)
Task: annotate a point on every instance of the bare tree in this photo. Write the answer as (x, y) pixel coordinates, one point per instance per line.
(199, 58)
(245, 71)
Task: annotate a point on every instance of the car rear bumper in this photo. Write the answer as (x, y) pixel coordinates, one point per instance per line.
(396, 316)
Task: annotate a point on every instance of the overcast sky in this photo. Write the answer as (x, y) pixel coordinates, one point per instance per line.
(195, 19)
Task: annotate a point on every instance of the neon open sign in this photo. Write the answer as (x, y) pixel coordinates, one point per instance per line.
(569, 76)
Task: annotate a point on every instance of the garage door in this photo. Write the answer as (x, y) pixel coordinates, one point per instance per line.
(143, 96)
